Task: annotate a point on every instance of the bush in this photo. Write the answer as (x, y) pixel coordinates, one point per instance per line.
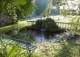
(50, 25)
(38, 24)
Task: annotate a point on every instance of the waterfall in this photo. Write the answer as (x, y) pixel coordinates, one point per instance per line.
(43, 25)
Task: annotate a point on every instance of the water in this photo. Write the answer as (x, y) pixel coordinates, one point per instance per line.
(43, 25)
(44, 36)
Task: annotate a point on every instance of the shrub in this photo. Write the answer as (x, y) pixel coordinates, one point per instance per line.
(38, 24)
(75, 24)
(50, 25)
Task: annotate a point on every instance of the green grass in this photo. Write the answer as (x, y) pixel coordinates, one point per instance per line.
(65, 49)
(19, 25)
(45, 49)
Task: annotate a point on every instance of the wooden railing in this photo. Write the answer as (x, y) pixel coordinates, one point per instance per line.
(31, 22)
(63, 25)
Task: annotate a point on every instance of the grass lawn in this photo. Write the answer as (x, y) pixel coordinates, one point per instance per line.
(20, 24)
(47, 49)
(65, 49)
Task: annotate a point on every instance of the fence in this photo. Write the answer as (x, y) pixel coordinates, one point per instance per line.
(62, 25)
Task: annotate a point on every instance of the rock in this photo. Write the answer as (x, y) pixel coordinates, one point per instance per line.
(5, 20)
(68, 35)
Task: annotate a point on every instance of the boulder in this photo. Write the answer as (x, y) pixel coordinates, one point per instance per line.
(5, 20)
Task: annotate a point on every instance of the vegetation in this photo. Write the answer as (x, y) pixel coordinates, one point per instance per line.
(38, 24)
(73, 16)
(50, 25)
(57, 2)
(75, 23)
(58, 49)
(19, 25)
(9, 7)
(16, 8)
(62, 49)
(9, 50)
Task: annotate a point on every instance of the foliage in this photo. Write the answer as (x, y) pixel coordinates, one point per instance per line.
(8, 50)
(50, 25)
(75, 23)
(1, 7)
(46, 49)
(68, 48)
(28, 8)
(10, 7)
(38, 24)
(22, 2)
(73, 15)
(57, 2)
(65, 12)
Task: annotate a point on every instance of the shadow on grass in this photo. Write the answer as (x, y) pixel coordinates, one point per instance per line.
(10, 27)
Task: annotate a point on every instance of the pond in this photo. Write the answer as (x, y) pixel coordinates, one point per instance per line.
(43, 36)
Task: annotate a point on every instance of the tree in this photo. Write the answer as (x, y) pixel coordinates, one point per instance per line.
(10, 7)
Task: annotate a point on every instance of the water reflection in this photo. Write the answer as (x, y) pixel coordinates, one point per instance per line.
(44, 36)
